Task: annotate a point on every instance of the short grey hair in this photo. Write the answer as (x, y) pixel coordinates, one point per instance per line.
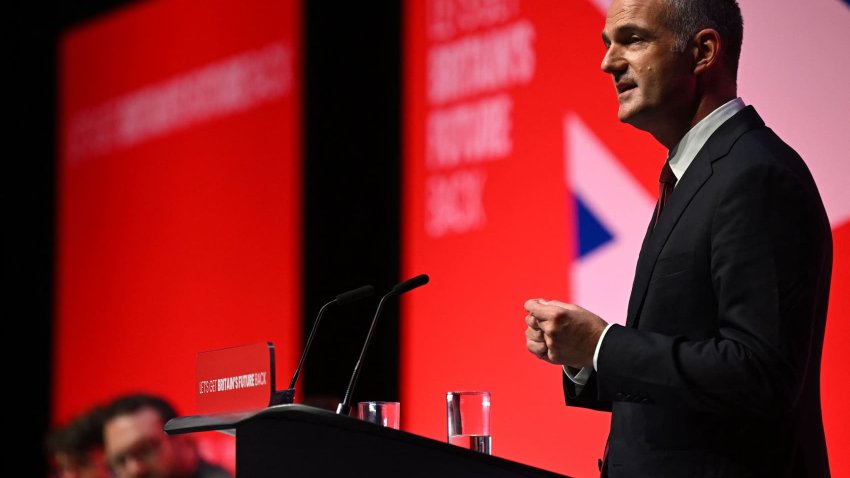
(686, 17)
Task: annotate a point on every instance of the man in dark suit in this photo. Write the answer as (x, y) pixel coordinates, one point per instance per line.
(716, 372)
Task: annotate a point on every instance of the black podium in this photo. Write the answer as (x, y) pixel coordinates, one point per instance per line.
(301, 441)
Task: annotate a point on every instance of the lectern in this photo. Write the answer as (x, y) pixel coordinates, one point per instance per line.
(297, 441)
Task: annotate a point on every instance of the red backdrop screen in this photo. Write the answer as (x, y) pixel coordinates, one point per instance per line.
(179, 195)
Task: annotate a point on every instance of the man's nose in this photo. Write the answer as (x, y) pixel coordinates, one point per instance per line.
(613, 62)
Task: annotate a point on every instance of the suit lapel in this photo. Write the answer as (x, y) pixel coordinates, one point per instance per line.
(700, 170)
(697, 174)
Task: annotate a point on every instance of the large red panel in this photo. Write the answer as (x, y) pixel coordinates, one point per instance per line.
(488, 214)
(179, 195)
(835, 381)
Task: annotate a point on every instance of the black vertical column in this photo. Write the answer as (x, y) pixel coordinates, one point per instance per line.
(352, 186)
(29, 214)
(28, 236)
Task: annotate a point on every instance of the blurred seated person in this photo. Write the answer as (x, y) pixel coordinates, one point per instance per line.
(136, 445)
(76, 449)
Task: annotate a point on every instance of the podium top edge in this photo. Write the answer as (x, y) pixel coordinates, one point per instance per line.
(231, 420)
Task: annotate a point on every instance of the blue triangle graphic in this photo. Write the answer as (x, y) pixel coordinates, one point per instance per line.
(592, 234)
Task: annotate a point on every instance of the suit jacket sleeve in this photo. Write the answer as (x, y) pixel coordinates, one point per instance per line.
(587, 398)
(768, 249)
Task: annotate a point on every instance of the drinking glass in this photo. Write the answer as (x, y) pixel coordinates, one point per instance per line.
(380, 413)
(468, 415)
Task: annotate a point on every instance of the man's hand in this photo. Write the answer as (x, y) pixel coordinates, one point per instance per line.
(562, 333)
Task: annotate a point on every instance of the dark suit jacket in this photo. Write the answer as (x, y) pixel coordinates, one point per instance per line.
(717, 370)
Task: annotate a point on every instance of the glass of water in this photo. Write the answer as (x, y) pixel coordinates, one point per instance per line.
(468, 415)
(380, 413)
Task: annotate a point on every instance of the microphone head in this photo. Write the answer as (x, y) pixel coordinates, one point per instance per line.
(410, 284)
(356, 294)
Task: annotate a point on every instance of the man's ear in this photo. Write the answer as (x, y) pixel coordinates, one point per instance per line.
(706, 48)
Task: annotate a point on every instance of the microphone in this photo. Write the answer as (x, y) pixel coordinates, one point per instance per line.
(410, 284)
(344, 408)
(287, 396)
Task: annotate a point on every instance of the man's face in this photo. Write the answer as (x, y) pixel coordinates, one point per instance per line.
(136, 446)
(655, 85)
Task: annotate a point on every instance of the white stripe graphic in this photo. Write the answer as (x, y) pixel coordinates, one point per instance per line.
(601, 281)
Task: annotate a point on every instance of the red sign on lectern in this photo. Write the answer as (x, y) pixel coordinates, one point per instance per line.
(235, 379)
